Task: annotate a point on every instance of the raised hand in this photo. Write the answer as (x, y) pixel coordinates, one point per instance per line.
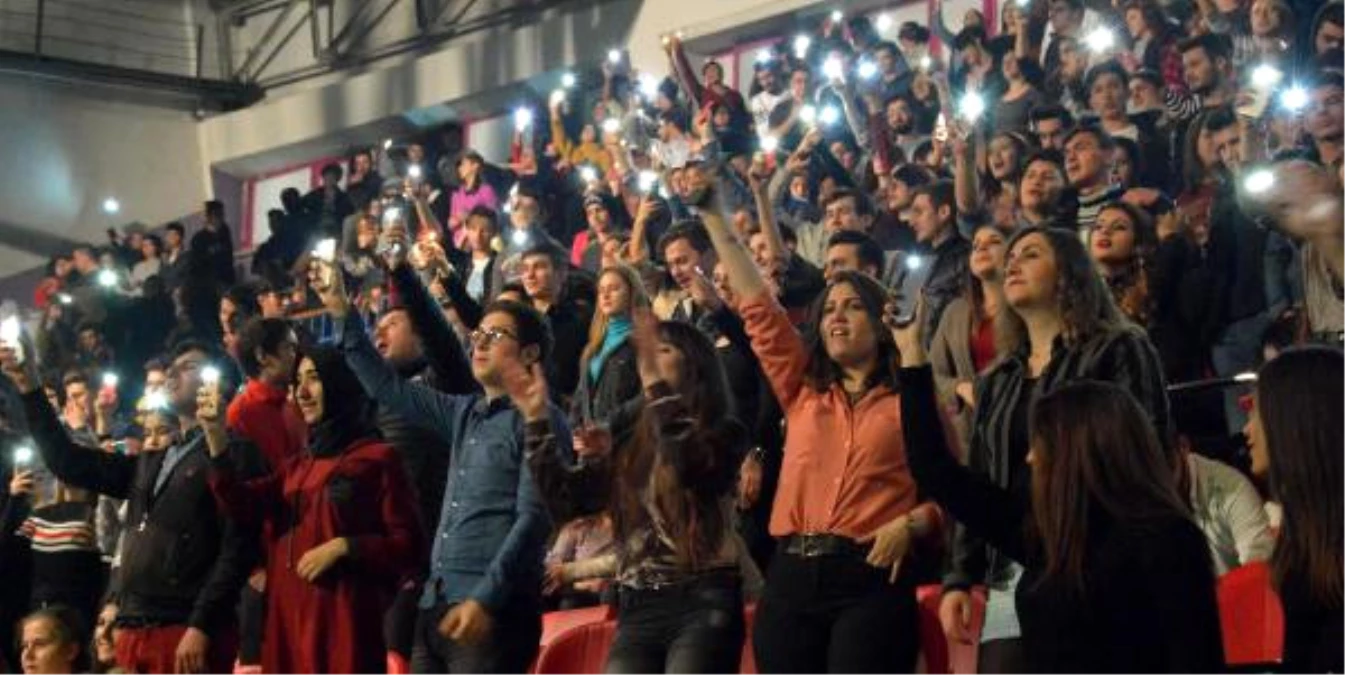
(327, 281)
(209, 417)
(526, 387)
(19, 371)
(906, 332)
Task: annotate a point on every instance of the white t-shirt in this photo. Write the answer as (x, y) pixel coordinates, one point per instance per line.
(1229, 511)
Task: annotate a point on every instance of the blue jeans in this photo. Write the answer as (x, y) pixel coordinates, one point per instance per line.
(695, 627)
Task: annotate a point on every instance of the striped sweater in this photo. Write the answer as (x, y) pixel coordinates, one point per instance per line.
(1123, 356)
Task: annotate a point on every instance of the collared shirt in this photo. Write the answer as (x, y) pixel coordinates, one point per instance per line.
(493, 529)
(175, 454)
(844, 468)
(264, 415)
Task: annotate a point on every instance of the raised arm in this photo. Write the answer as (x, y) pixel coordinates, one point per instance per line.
(973, 499)
(445, 354)
(770, 228)
(379, 380)
(568, 488)
(82, 466)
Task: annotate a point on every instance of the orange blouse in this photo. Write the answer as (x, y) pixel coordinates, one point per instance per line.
(844, 470)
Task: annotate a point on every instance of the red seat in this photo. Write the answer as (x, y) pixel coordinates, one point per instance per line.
(397, 664)
(579, 649)
(748, 666)
(941, 655)
(1251, 616)
(555, 623)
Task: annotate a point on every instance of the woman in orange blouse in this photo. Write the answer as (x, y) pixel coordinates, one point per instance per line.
(838, 597)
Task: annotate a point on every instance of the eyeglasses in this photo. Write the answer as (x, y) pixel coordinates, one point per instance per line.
(484, 338)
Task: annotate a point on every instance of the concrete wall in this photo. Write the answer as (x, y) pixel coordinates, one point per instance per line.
(68, 150)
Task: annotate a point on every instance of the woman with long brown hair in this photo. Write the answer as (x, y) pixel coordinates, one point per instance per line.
(669, 489)
(1154, 279)
(1116, 576)
(1060, 326)
(839, 595)
(1295, 436)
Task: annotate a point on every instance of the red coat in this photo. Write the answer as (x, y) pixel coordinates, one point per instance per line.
(334, 625)
(264, 415)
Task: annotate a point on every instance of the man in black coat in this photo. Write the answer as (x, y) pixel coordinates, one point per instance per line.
(183, 562)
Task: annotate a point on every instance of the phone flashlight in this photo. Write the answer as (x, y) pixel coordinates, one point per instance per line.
(568, 80)
(107, 278)
(648, 85)
(156, 399)
(1259, 181)
(210, 375)
(1101, 40)
(325, 250)
(801, 45)
(523, 116)
(614, 56)
(110, 380)
(23, 456)
(833, 68)
(588, 174)
(647, 181)
(1294, 99)
(971, 107)
(611, 125)
(829, 115)
(1266, 76)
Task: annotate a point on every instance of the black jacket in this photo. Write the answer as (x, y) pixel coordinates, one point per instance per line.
(182, 561)
(616, 390)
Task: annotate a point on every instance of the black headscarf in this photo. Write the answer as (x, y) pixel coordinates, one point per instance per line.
(347, 413)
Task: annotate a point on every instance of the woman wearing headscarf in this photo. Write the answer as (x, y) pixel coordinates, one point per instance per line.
(338, 522)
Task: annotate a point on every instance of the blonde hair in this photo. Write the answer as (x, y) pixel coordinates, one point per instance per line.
(597, 330)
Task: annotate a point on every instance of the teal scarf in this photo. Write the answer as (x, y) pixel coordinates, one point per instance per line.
(618, 329)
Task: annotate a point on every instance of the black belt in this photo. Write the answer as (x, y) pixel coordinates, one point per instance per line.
(823, 545)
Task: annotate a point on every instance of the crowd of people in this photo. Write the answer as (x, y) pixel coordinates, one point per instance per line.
(1056, 313)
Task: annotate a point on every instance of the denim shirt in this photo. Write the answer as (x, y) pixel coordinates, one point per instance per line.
(491, 539)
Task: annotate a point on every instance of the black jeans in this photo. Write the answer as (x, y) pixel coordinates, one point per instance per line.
(835, 614)
(695, 627)
(515, 633)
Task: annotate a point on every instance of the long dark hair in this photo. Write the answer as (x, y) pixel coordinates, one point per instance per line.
(1131, 287)
(691, 521)
(822, 372)
(1096, 460)
(1299, 398)
(1083, 301)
